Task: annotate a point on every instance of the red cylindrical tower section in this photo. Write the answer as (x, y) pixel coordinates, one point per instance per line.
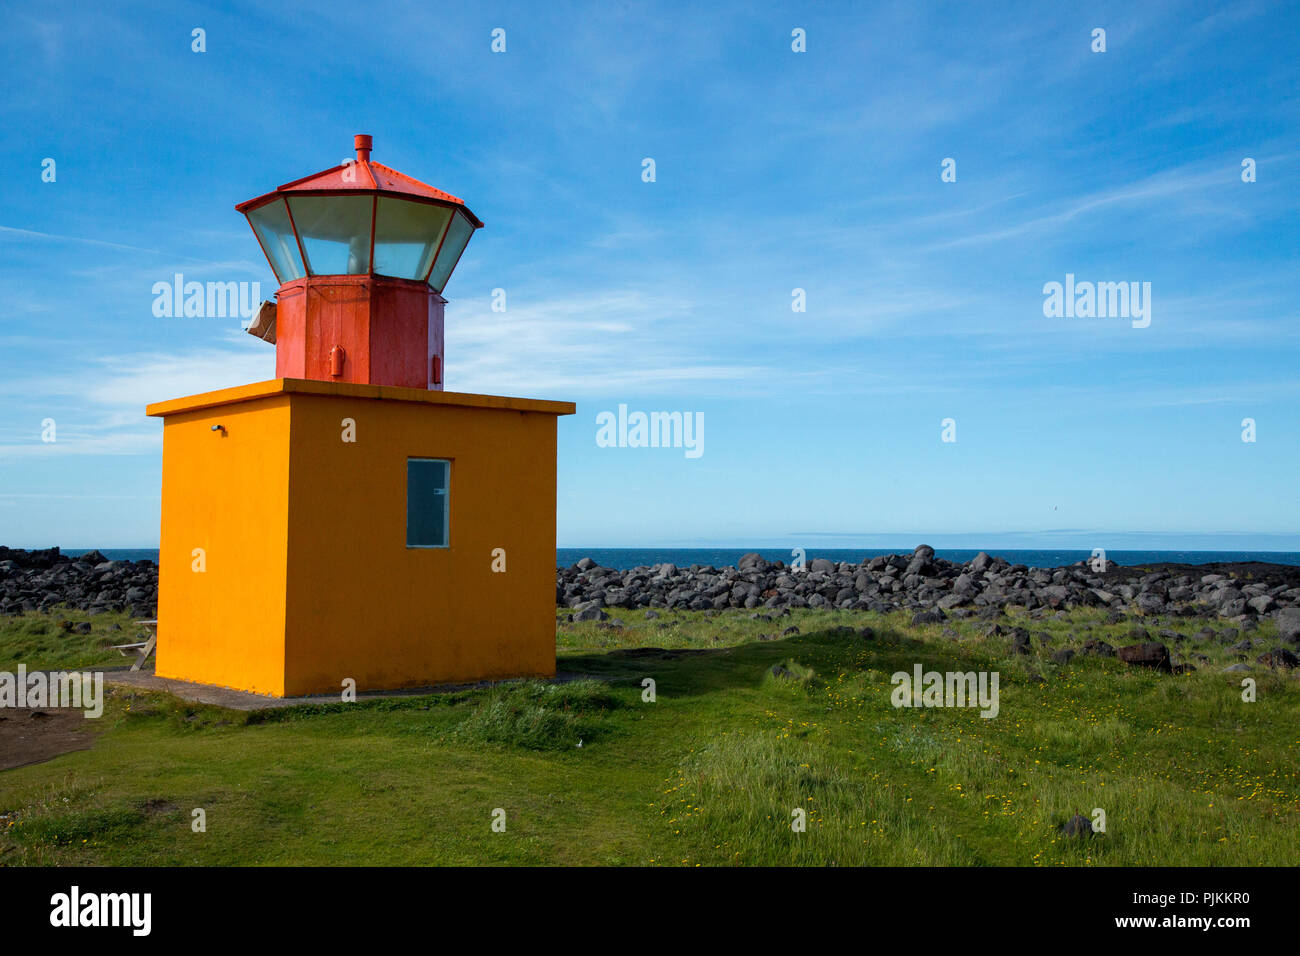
(390, 331)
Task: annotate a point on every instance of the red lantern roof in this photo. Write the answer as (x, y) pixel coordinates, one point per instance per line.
(364, 177)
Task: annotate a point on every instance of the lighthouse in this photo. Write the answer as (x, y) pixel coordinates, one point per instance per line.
(350, 523)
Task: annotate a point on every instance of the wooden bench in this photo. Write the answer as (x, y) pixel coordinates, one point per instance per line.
(143, 649)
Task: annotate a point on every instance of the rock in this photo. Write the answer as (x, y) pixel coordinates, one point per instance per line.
(822, 564)
(1236, 668)
(591, 613)
(1151, 654)
(1077, 826)
(933, 616)
(585, 564)
(1288, 624)
(43, 559)
(1234, 607)
(1098, 648)
(1054, 596)
(1279, 657)
(1262, 604)
(790, 630)
(751, 560)
(1063, 656)
(981, 562)
(1150, 604)
(651, 615)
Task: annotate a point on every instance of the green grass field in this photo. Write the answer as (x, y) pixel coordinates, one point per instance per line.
(710, 773)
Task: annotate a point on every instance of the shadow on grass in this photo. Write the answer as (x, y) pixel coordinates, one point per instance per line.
(695, 672)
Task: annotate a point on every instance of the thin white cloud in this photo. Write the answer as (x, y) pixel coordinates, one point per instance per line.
(88, 241)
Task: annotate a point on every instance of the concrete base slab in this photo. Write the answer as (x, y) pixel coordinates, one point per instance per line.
(147, 680)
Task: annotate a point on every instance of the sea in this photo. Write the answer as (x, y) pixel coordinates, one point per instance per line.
(624, 558)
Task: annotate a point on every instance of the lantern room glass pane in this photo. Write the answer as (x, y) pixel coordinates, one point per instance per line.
(406, 237)
(271, 223)
(458, 234)
(335, 233)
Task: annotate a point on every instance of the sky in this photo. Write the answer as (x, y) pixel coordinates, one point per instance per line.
(774, 170)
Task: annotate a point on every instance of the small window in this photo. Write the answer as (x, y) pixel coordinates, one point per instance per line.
(426, 502)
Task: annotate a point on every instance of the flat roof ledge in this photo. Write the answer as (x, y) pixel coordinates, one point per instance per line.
(302, 386)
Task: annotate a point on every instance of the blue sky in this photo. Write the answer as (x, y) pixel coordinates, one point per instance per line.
(775, 170)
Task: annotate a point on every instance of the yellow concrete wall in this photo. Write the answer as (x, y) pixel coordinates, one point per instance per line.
(229, 496)
(360, 603)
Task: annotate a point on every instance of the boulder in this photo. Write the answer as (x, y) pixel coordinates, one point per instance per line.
(1280, 657)
(1097, 648)
(1054, 596)
(1288, 624)
(1077, 826)
(1151, 654)
(1262, 604)
(933, 616)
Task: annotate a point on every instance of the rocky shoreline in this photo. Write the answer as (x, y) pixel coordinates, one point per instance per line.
(934, 589)
(929, 587)
(45, 579)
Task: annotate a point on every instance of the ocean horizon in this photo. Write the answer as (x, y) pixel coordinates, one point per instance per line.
(624, 558)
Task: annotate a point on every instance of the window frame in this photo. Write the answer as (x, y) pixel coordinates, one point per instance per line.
(446, 506)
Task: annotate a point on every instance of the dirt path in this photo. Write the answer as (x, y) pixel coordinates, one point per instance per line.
(33, 735)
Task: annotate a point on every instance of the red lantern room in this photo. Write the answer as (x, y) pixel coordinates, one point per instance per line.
(362, 253)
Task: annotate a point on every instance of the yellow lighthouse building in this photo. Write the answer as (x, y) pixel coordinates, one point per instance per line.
(349, 520)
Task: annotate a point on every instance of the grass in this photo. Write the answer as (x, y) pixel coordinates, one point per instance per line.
(744, 731)
(54, 641)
